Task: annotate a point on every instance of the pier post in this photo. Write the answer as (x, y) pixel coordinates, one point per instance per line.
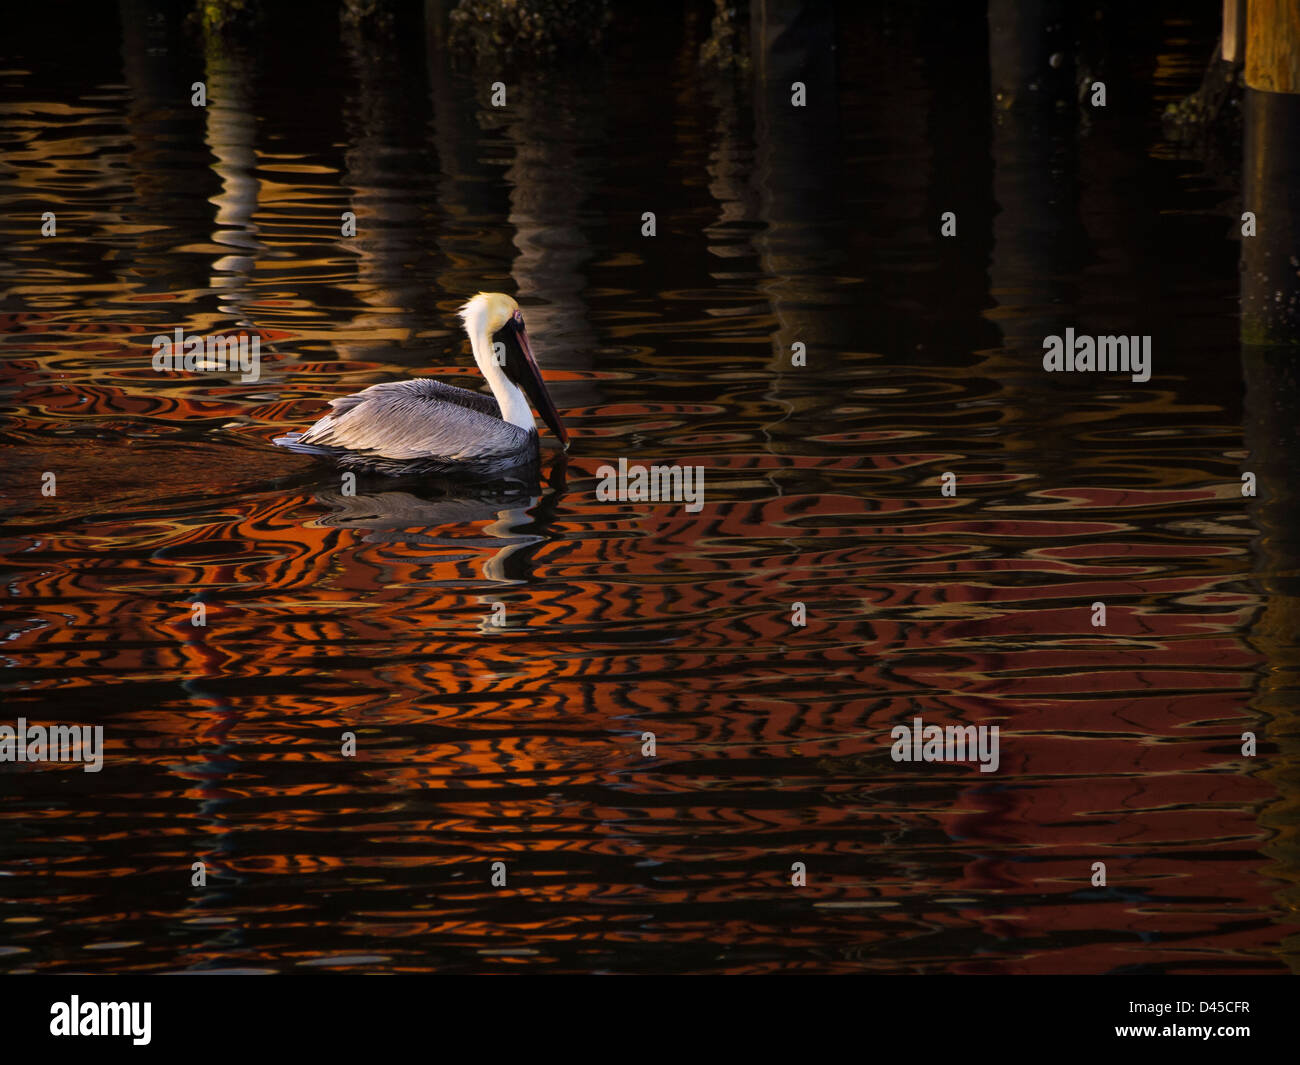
(1273, 45)
(1270, 278)
(1233, 48)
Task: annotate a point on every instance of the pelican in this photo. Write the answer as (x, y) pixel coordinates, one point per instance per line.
(424, 426)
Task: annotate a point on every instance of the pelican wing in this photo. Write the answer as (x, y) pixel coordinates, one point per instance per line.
(417, 419)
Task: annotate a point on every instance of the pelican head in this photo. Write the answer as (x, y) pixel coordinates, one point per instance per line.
(491, 319)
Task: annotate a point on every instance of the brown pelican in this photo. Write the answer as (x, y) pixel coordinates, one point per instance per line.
(423, 426)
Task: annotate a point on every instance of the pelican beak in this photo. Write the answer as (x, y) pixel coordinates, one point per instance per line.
(530, 380)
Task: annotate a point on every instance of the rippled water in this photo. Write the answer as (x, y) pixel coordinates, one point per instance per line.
(372, 615)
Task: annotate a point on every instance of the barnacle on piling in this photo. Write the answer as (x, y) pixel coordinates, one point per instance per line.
(537, 31)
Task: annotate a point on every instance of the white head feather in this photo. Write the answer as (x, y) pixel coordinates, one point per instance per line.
(483, 315)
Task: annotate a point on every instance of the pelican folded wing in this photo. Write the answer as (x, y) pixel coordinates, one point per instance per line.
(422, 421)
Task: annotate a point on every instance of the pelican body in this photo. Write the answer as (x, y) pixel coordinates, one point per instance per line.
(425, 426)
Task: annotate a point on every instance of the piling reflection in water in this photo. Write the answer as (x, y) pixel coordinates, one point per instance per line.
(515, 734)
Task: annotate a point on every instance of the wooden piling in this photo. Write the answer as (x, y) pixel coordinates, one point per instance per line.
(1233, 49)
(1272, 45)
(1270, 279)
(1270, 189)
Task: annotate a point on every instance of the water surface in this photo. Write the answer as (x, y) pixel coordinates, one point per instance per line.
(372, 614)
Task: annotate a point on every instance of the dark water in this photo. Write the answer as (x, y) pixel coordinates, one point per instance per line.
(371, 615)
